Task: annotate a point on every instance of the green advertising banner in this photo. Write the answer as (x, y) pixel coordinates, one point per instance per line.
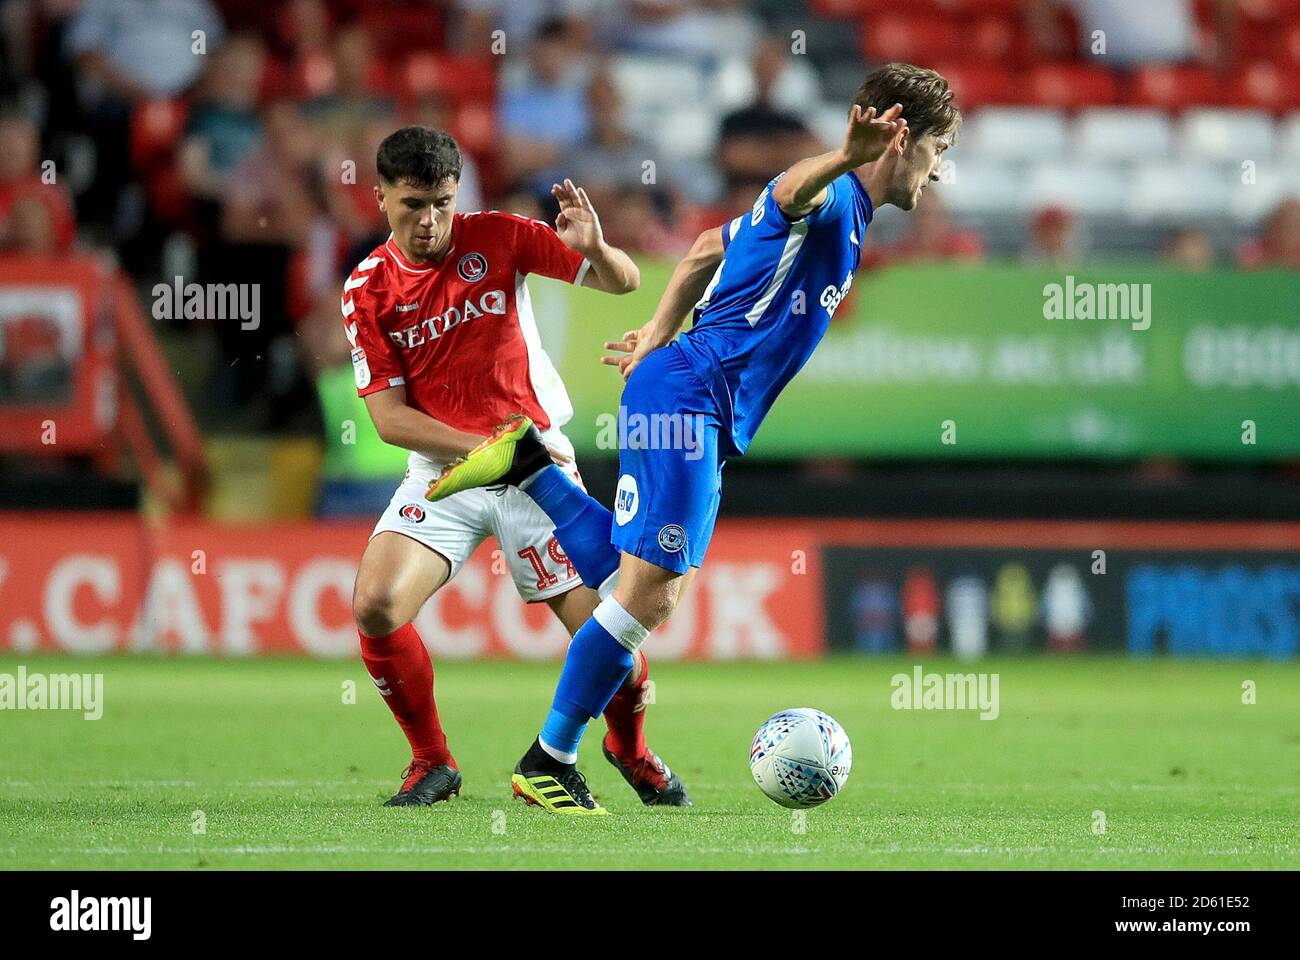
(1003, 361)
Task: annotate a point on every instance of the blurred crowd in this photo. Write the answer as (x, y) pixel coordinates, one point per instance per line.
(233, 140)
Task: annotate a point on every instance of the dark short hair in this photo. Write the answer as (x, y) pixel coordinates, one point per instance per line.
(927, 99)
(421, 156)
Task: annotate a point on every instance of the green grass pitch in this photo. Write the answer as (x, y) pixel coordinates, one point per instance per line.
(287, 775)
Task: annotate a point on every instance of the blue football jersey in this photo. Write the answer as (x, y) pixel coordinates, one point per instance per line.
(772, 298)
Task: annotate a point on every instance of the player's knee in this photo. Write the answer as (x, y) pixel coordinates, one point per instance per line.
(376, 609)
(652, 607)
(666, 603)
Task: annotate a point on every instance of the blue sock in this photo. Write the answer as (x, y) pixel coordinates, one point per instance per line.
(582, 524)
(594, 668)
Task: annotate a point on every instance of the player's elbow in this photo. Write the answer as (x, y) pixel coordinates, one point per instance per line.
(786, 196)
(631, 278)
(706, 251)
(384, 427)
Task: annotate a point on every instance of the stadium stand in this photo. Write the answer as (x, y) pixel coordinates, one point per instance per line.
(195, 161)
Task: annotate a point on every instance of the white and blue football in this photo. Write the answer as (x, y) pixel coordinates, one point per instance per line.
(800, 758)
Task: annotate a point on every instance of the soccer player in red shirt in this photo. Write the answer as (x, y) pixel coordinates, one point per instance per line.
(444, 348)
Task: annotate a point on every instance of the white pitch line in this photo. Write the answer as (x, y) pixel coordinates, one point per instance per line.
(370, 851)
(271, 784)
(222, 785)
(279, 849)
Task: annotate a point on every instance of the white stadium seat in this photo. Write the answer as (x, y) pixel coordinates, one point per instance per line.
(1273, 182)
(1085, 187)
(1225, 136)
(732, 86)
(1107, 133)
(1184, 191)
(829, 122)
(688, 130)
(649, 83)
(982, 186)
(1015, 134)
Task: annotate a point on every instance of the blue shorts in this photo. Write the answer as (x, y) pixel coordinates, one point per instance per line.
(670, 467)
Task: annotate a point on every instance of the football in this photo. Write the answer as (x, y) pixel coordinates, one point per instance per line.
(800, 758)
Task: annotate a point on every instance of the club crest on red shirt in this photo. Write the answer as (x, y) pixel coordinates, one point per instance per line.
(471, 267)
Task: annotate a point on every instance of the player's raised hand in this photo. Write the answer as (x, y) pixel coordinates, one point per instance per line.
(869, 135)
(577, 223)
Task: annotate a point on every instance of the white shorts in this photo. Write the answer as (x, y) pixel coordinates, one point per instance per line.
(456, 526)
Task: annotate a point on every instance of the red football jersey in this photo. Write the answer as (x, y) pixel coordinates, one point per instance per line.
(460, 334)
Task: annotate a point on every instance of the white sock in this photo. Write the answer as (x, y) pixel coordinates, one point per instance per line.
(557, 754)
(607, 588)
(525, 483)
(620, 624)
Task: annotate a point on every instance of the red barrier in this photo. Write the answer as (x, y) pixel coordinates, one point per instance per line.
(101, 583)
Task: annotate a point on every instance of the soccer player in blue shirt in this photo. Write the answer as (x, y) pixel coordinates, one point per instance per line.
(764, 287)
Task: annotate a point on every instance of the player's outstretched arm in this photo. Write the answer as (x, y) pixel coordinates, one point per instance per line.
(612, 270)
(404, 426)
(689, 280)
(803, 187)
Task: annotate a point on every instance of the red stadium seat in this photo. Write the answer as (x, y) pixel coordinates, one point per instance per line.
(381, 78)
(1004, 7)
(169, 199)
(1256, 11)
(156, 127)
(475, 127)
(1258, 41)
(1174, 88)
(314, 74)
(399, 28)
(1266, 86)
(843, 9)
(1263, 28)
(997, 38)
(914, 39)
(981, 84)
(278, 80)
(1291, 45)
(1204, 11)
(459, 79)
(946, 8)
(1068, 86)
(422, 74)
